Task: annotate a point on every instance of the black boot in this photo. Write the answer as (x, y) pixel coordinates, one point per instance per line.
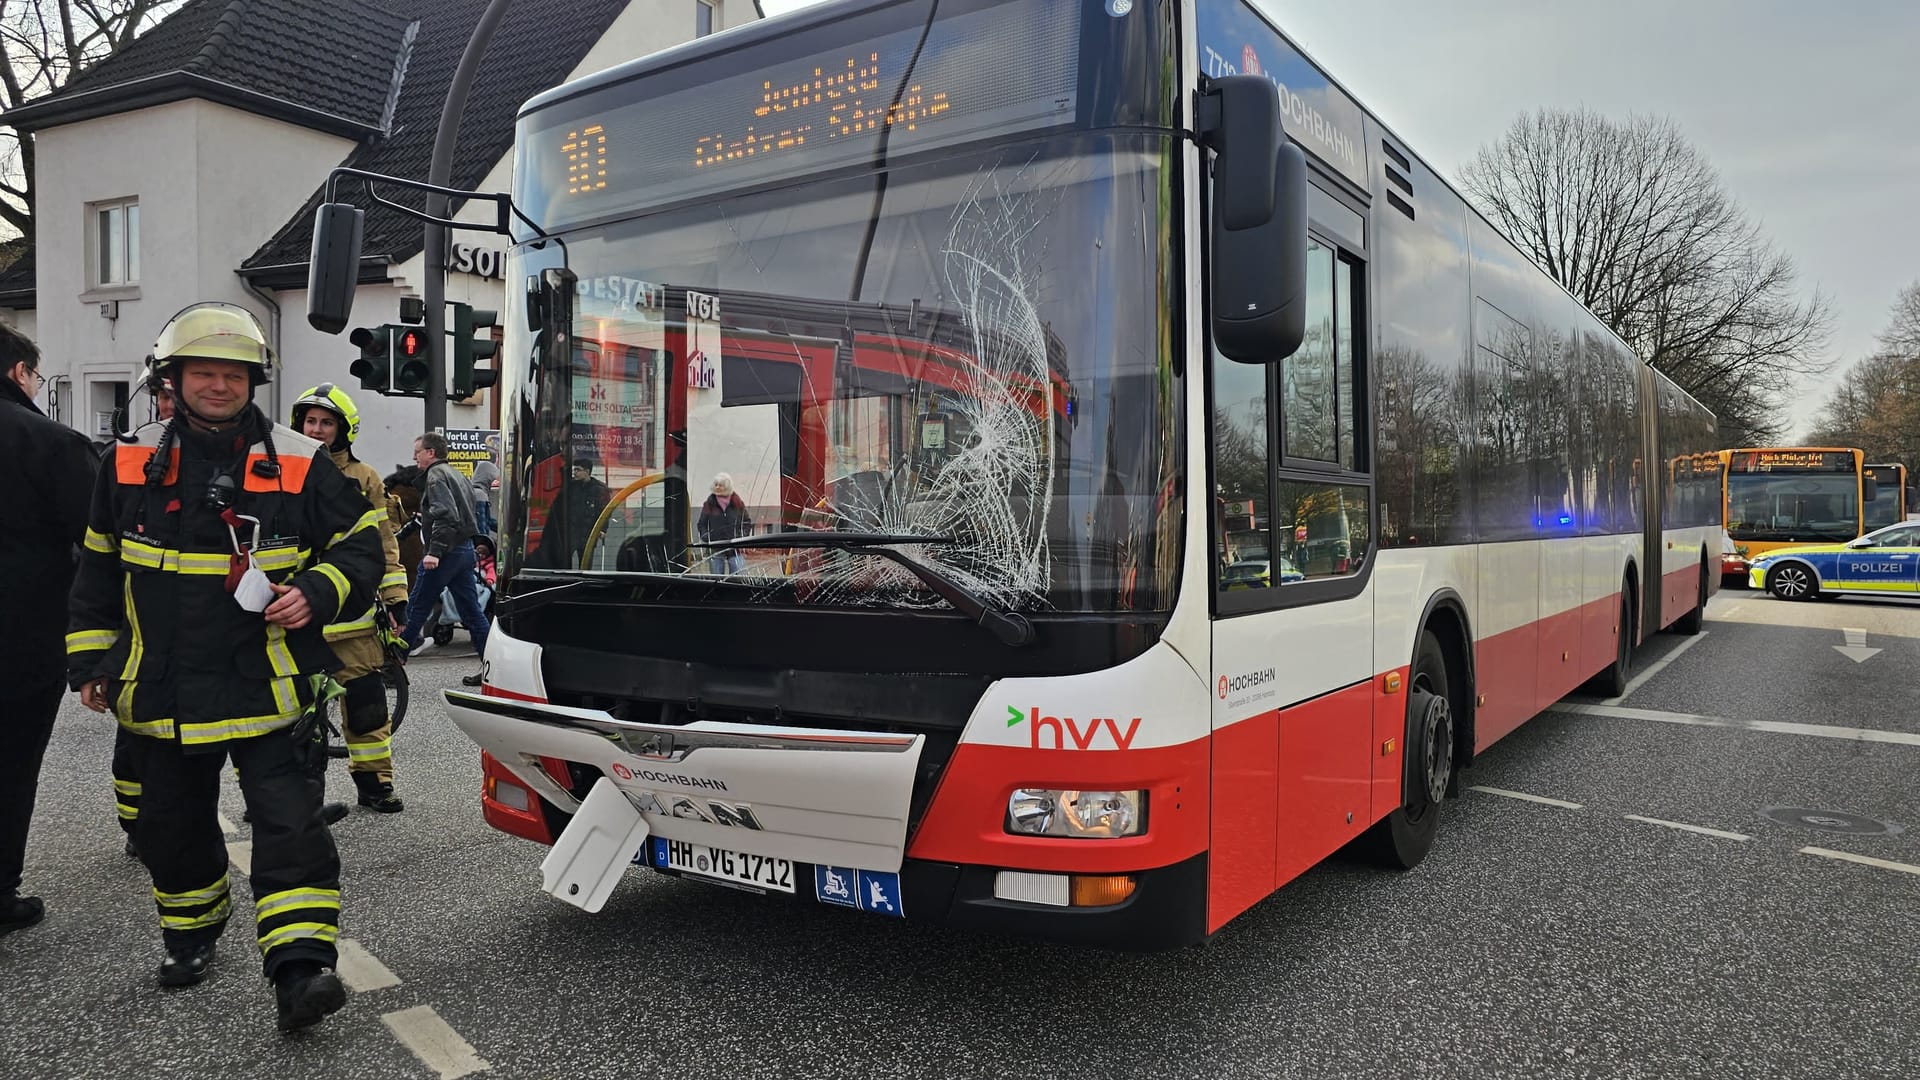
(20, 912)
(307, 994)
(186, 967)
(334, 813)
(376, 794)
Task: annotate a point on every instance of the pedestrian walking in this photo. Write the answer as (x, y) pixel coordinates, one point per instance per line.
(486, 480)
(448, 525)
(724, 517)
(217, 548)
(45, 481)
(328, 416)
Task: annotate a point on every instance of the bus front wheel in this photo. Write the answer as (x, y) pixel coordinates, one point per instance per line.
(1612, 680)
(1403, 838)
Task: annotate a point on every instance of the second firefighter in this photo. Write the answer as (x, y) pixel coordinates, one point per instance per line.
(328, 416)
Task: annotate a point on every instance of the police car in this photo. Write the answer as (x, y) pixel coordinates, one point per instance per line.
(1884, 562)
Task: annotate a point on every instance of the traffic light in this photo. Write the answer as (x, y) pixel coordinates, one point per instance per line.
(374, 369)
(410, 370)
(469, 350)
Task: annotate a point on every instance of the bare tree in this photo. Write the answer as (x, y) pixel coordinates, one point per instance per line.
(1634, 221)
(1877, 405)
(44, 44)
(1902, 335)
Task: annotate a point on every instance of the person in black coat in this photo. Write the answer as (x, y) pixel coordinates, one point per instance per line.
(724, 517)
(45, 487)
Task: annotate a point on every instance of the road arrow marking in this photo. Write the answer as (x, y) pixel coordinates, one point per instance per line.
(1856, 647)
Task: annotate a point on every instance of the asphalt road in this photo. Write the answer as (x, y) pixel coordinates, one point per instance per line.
(1554, 938)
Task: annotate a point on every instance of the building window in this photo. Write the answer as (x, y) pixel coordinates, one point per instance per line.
(114, 252)
(706, 17)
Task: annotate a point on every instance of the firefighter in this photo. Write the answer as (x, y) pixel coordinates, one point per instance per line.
(218, 547)
(327, 415)
(126, 748)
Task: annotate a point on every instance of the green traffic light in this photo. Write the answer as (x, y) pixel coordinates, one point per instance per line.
(468, 351)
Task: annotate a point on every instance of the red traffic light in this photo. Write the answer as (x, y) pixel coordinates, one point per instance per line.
(410, 343)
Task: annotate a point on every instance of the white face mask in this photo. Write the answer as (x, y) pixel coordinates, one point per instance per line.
(254, 591)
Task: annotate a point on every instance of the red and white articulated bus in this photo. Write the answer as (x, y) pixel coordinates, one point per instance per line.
(1144, 475)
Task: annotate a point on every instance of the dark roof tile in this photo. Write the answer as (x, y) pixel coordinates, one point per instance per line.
(511, 73)
(338, 58)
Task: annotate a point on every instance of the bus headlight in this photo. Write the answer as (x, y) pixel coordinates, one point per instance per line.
(1087, 815)
(1032, 811)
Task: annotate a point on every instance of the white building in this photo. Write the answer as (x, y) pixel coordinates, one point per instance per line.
(186, 167)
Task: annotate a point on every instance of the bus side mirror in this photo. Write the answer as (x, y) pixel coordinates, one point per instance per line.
(333, 267)
(1259, 232)
(550, 313)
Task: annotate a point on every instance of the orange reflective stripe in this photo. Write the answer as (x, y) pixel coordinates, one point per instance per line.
(130, 464)
(292, 478)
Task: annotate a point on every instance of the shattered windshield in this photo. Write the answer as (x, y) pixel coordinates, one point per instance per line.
(976, 351)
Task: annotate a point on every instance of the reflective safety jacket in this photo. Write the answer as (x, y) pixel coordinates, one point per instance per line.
(393, 583)
(151, 609)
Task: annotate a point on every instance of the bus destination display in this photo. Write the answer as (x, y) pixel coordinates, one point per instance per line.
(828, 105)
(1835, 461)
(1000, 69)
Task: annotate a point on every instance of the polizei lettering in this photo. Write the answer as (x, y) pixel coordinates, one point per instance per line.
(680, 780)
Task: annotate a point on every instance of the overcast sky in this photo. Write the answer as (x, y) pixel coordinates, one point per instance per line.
(1808, 110)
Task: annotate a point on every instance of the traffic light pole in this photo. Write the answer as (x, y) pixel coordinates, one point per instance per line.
(440, 172)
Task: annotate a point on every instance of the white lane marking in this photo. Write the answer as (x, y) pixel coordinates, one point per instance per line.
(1656, 668)
(1864, 860)
(360, 970)
(1684, 827)
(240, 853)
(1778, 727)
(1524, 797)
(434, 1042)
(1856, 647)
(226, 823)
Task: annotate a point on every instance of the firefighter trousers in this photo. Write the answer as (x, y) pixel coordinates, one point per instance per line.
(126, 777)
(365, 725)
(296, 869)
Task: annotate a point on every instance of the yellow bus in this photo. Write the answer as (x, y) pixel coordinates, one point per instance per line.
(1889, 505)
(1780, 495)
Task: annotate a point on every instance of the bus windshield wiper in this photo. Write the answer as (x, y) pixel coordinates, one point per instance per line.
(521, 603)
(1011, 627)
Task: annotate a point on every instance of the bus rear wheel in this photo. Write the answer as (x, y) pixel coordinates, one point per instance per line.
(1792, 581)
(1403, 838)
(1691, 623)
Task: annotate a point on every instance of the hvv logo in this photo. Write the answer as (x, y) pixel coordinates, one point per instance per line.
(1083, 734)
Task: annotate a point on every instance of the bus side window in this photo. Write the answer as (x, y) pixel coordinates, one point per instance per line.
(1322, 507)
(1242, 460)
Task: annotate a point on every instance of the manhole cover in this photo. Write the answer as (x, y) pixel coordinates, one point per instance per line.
(1834, 821)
